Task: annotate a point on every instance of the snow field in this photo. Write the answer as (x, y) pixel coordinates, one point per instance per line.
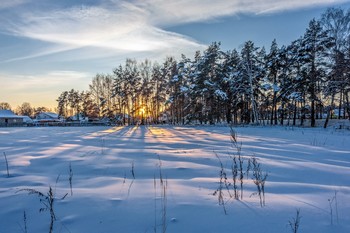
(305, 167)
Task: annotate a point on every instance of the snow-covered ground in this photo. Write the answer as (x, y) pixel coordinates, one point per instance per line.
(117, 171)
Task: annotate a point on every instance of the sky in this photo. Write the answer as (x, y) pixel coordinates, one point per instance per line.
(50, 46)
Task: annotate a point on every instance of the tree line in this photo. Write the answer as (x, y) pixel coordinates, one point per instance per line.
(25, 109)
(309, 78)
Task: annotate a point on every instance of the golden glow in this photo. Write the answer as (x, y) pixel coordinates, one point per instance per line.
(113, 130)
(142, 111)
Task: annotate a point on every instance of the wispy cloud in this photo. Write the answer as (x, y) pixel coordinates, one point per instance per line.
(162, 12)
(122, 29)
(25, 83)
(4, 4)
(134, 26)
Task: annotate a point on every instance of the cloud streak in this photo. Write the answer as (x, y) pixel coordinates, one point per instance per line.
(162, 12)
(5, 4)
(135, 26)
(122, 29)
(23, 83)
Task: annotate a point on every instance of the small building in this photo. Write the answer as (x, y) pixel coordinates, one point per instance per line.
(163, 118)
(78, 118)
(47, 117)
(27, 120)
(8, 118)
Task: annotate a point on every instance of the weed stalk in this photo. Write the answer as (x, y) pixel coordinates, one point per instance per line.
(259, 178)
(7, 165)
(223, 183)
(48, 201)
(71, 179)
(234, 169)
(295, 222)
(330, 201)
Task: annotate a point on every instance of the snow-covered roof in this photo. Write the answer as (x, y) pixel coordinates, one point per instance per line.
(27, 119)
(51, 114)
(8, 114)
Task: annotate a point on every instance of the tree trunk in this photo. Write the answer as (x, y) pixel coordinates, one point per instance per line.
(313, 121)
(282, 113)
(329, 111)
(228, 114)
(340, 103)
(295, 112)
(272, 109)
(347, 105)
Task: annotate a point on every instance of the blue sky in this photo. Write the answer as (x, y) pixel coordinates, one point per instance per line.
(49, 46)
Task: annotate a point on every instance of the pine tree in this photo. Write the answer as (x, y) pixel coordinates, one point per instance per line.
(169, 74)
(88, 107)
(273, 66)
(182, 84)
(62, 105)
(146, 89)
(229, 85)
(336, 23)
(314, 44)
(159, 90)
(206, 79)
(252, 71)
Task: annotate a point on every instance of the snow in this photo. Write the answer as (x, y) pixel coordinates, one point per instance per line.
(50, 114)
(183, 89)
(27, 119)
(8, 114)
(5, 112)
(305, 168)
(208, 83)
(175, 78)
(295, 96)
(266, 86)
(221, 94)
(276, 88)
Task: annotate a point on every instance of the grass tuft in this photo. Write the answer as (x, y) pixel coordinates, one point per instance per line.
(47, 200)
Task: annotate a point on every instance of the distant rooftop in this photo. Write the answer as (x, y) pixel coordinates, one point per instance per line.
(51, 114)
(8, 113)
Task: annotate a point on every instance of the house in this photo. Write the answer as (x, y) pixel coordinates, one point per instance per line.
(78, 118)
(47, 117)
(27, 120)
(163, 118)
(8, 118)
